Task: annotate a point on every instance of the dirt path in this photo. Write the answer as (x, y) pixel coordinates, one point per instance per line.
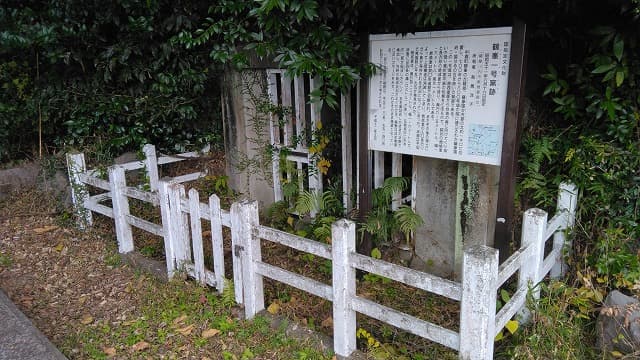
(74, 288)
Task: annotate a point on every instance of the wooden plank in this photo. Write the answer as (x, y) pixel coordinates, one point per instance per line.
(145, 225)
(378, 169)
(274, 133)
(511, 140)
(315, 176)
(533, 229)
(408, 276)
(151, 165)
(510, 309)
(181, 245)
(196, 235)
(406, 322)
(300, 111)
(567, 203)
(100, 209)
(347, 151)
(285, 88)
(511, 265)
(252, 284)
(209, 277)
(217, 241)
(169, 159)
(142, 195)
(555, 224)
(296, 280)
(549, 262)
(120, 204)
(478, 304)
(293, 241)
(343, 234)
(396, 171)
(365, 166)
(76, 168)
(164, 198)
(95, 182)
(189, 177)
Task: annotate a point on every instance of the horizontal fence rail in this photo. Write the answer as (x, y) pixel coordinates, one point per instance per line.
(182, 213)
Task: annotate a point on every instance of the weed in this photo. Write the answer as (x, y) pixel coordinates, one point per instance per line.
(5, 260)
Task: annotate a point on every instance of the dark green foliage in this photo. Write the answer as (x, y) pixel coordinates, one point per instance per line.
(594, 141)
(106, 75)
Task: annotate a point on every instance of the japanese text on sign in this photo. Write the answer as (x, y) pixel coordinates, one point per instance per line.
(440, 94)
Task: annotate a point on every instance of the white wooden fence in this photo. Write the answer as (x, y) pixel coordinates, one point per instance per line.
(482, 275)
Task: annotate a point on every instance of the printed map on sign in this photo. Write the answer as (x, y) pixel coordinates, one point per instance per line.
(440, 94)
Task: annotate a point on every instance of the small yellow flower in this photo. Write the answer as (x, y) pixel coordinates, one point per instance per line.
(323, 165)
(319, 125)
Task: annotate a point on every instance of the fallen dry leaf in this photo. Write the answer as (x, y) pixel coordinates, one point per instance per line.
(179, 320)
(328, 322)
(86, 320)
(45, 229)
(109, 351)
(210, 332)
(273, 308)
(139, 346)
(186, 330)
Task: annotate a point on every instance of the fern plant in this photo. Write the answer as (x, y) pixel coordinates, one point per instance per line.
(384, 224)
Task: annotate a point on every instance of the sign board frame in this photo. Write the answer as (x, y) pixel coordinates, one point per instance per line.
(440, 94)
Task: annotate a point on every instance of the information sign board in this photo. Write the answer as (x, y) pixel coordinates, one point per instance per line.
(440, 94)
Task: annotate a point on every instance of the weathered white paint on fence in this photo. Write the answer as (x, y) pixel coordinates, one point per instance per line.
(408, 276)
(293, 241)
(407, 322)
(510, 309)
(120, 204)
(92, 204)
(478, 304)
(142, 195)
(151, 165)
(482, 277)
(237, 249)
(533, 229)
(274, 133)
(167, 229)
(567, 202)
(196, 235)
(343, 234)
(189, 177)
(298, 281)
(253, 289)
(181, 247)
(79, 193)
(145, 225)
(217, 244)
(94, 181)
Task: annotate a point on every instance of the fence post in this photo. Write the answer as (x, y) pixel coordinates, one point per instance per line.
(120, 204)
(343, 239)
(237, 248)
(79, 193)
(151, 165)
(181, 246)
(478, 304)
(167, 230)
(534, 224)
(217, 245)
(196, 236)
(253, 289)
(567, 202)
